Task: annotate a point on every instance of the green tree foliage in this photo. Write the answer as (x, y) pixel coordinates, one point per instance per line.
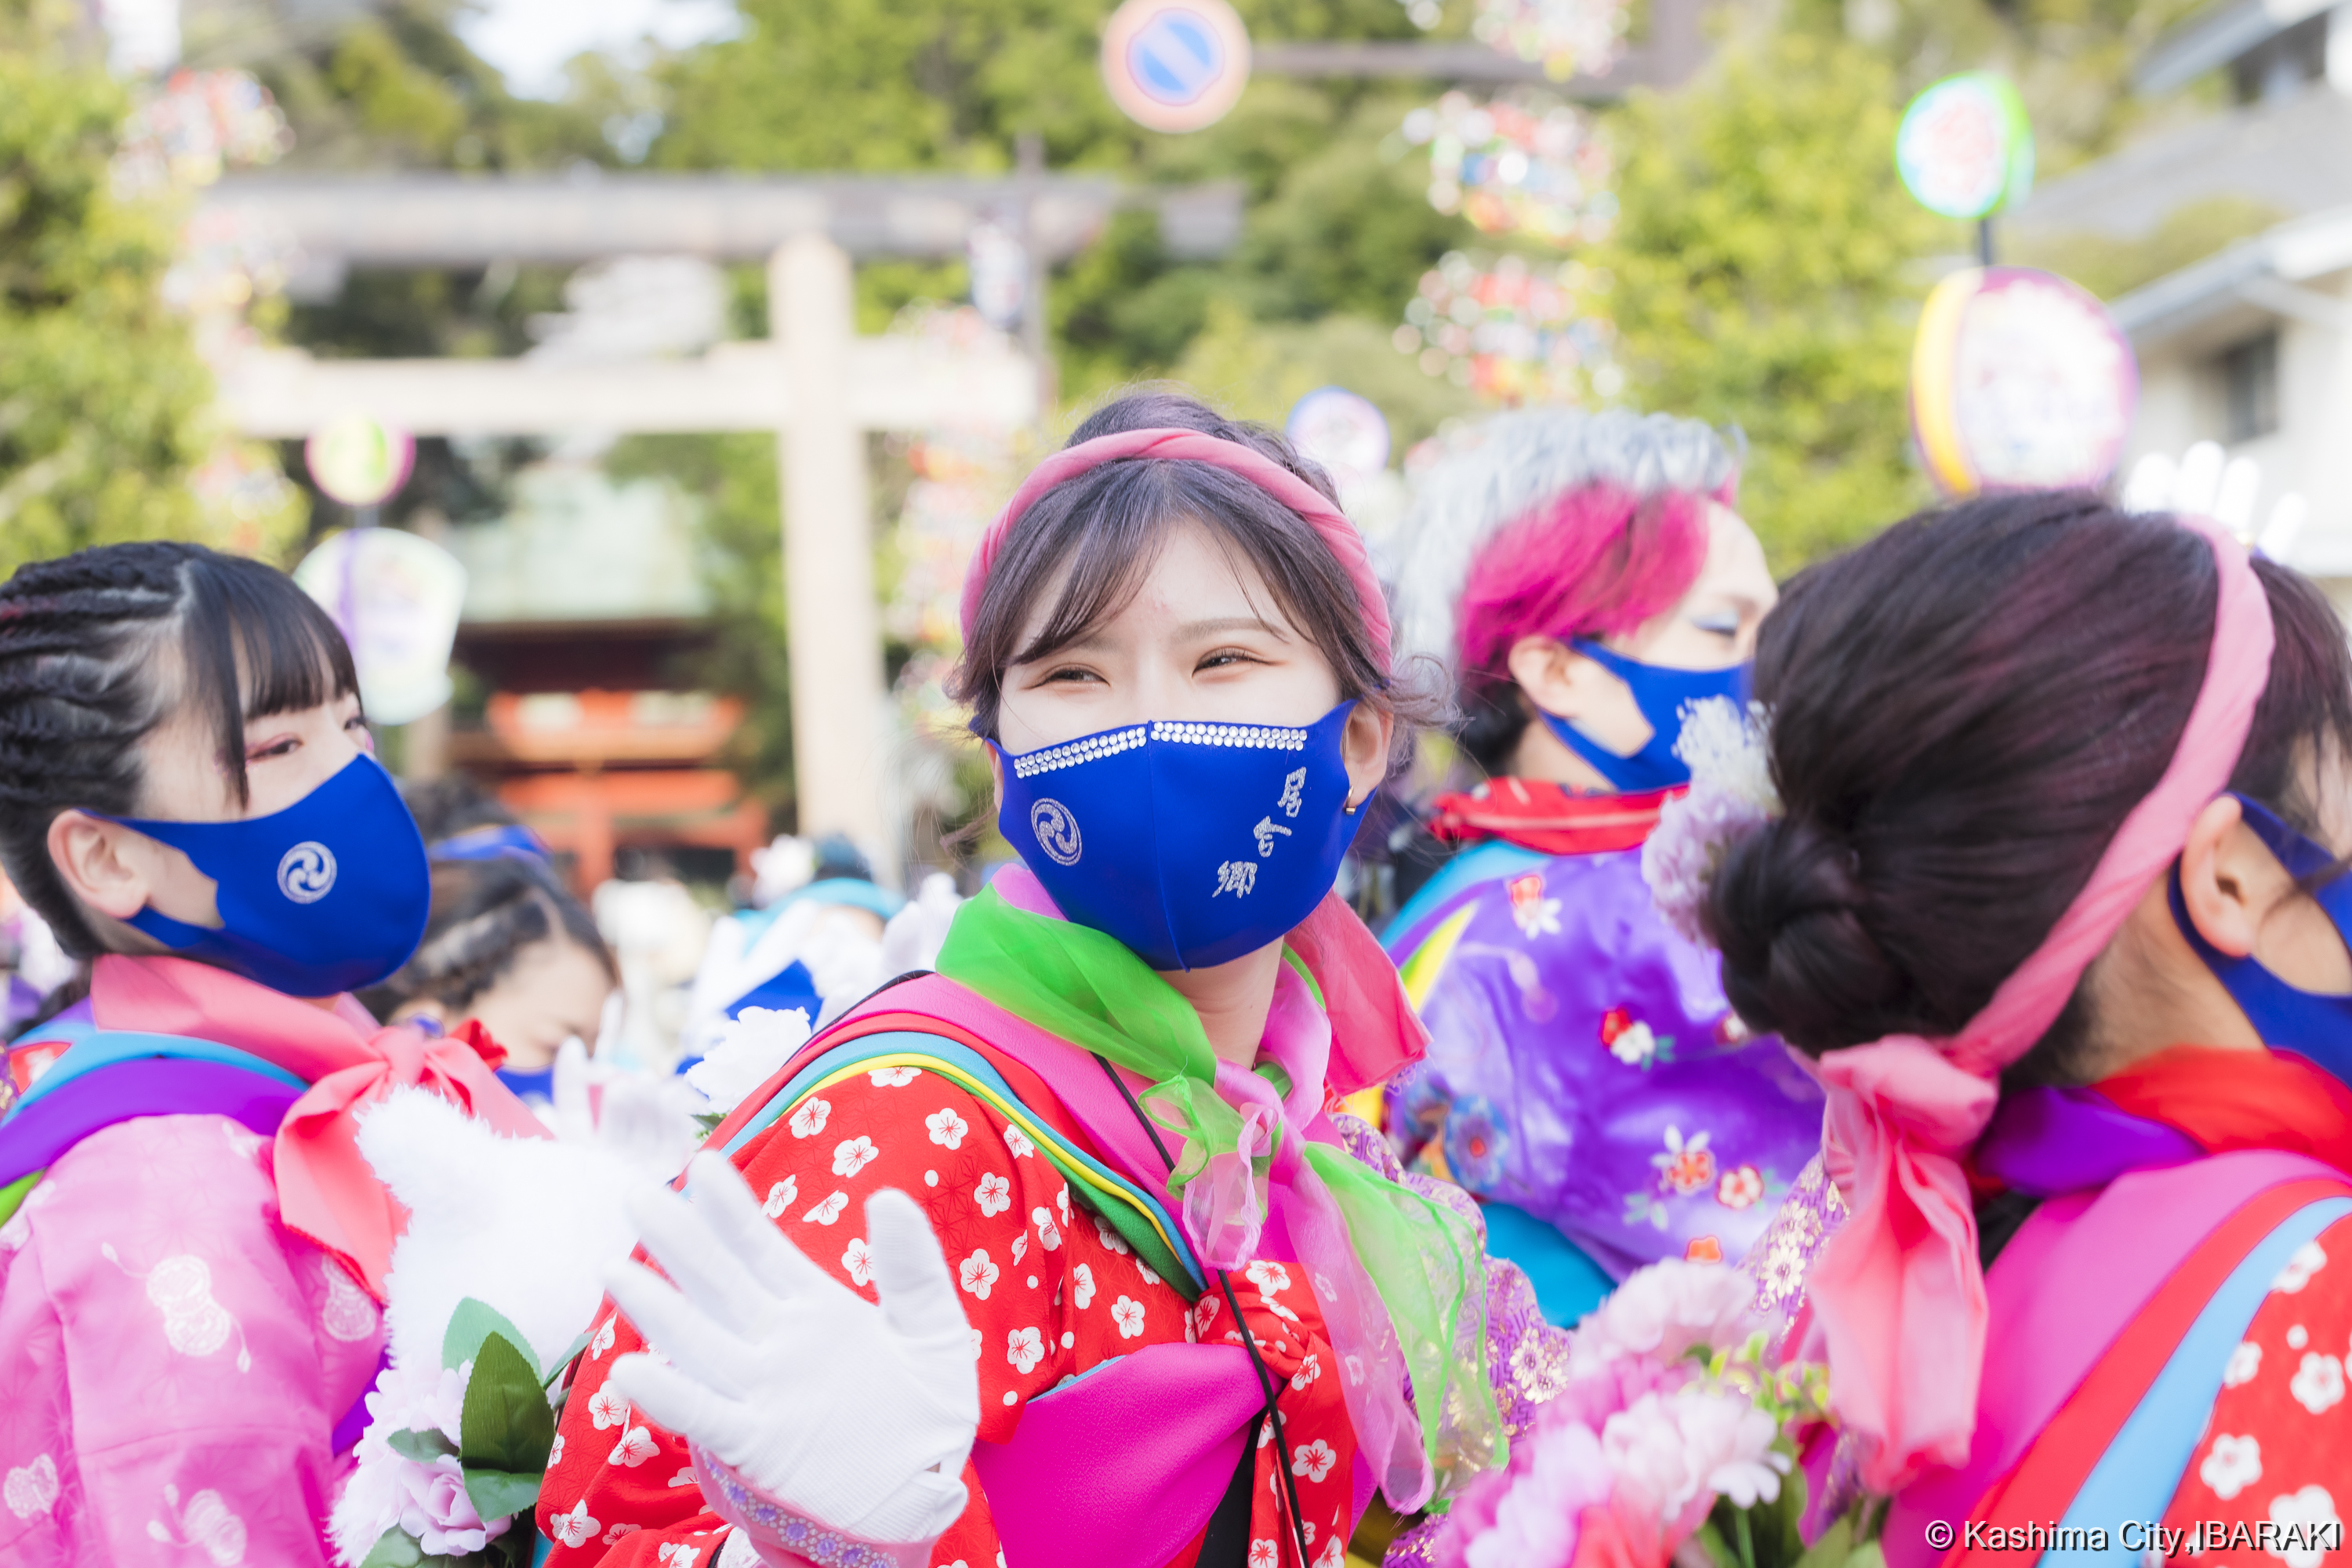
(102, 395)
(1766, 274)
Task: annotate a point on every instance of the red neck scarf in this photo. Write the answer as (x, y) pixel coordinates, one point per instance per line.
(1548, 818)
(2231, 1100)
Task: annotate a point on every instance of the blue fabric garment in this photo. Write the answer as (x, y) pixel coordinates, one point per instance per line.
(1568, 1283)
(531, 1086)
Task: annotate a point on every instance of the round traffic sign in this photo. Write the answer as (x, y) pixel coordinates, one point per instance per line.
(2019, 380)
(1175, 65)
(1965, 148)
(358, 461)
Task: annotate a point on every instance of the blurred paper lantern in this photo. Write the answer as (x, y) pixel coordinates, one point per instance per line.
(1345, 433)
(1175, 65)
(358, 462)
(1564, 36)
(2019, 380)
(1525, 165)
(1965, 148)
(1510, 331)
(397, 597)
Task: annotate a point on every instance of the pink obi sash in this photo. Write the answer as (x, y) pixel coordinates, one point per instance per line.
(2094, 1281)
(1135, 1456)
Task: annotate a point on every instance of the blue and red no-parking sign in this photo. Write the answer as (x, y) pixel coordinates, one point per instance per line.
(1175, 65)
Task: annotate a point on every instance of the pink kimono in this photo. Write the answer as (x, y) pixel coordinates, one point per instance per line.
(189, 1311)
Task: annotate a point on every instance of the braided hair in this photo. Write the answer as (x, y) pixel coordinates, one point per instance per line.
(485, 914)
(98, 648)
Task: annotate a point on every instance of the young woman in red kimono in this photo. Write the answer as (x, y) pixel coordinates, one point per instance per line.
(1145, 1298)
(2053, 894)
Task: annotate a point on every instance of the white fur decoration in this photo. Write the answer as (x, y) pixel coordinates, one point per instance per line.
(527, 1225)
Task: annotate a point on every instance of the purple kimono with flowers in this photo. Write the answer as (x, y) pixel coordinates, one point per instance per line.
(1584, 1068)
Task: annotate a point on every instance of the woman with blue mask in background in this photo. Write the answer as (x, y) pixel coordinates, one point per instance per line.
(1145, 1296)
(192, 1252)
(1586, 579)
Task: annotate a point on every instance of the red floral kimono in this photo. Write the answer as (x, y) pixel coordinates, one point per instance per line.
(1051, 1293)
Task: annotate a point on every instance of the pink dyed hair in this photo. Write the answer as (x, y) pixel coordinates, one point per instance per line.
(1592, 562)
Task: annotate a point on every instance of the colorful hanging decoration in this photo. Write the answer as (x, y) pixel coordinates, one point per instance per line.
(2019, 380)
(1564, 36)
(1513, 331)
(1525, 165)
(1965, 148)
(197, 125)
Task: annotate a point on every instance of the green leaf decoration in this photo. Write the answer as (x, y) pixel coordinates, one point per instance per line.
(470, 1324)
(394, 1549)
(504, 1423)
(556, 1370)
(422, 1447)
(497, 1493)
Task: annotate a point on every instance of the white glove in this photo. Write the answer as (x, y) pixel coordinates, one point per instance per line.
(2203, 483)
(856, 1416)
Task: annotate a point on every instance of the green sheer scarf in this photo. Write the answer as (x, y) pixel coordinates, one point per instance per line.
(1425, 1260)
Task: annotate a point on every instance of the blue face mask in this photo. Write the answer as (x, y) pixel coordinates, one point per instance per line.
(1661, 694)
(329, 895)
(1193, 842)
(2313, 1025)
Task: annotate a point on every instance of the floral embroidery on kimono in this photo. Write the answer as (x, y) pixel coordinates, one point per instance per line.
(2276, 1455)
(1050, 1290)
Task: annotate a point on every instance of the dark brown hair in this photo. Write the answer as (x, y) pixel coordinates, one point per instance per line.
(1106, 528)
(88, 670)
(1964, 711)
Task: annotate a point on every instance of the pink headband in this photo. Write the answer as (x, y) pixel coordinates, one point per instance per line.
(1190, 445)
(1898, 1289)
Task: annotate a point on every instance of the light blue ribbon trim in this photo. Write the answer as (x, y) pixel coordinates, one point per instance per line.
(2136, 1476)
(110, 1047)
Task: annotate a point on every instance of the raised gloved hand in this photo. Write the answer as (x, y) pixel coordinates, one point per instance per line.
(2203, 483)
(855, 1416)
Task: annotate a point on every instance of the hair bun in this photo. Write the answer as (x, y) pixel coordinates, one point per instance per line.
(1787, 911)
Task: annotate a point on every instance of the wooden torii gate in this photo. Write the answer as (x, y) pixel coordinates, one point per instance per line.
(814, 382)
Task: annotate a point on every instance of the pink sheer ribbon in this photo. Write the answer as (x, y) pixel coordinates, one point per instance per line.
(1898, 1297)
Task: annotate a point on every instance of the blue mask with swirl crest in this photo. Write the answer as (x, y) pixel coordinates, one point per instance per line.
(1193, 842)
(329, 895)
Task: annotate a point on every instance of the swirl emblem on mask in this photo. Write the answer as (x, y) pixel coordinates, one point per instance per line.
(1056, 831)
(307, 874)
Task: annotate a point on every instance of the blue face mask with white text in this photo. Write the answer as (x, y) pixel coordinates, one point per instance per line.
(1193, 842)
(329, 895)
(1661, 694)
(2310, 1024)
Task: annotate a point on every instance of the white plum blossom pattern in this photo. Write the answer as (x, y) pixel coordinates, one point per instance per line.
(576, 1528)
(893, 1077)
(2231, 1466)
(555, 1452)
(31, 1489)
(620, 1533)
(1268, 1278)
(1313, 1460)
(809, 1120)
(1263, 1554)
(852, 1155)
(2301, 1512)
(1024, 1348)
(781, 1196)
(858, 1259)
(995, 1194)
(1062, 1202)
(2245, 1362)
(635, 1446)
(602, 1342)
(2308, 1260)
(828, 1210)
(684, 1478)
(977, 1274)
(1021, 1247)
(677, 1554)
(947, 1128)
(2318, 1383)
(1048, 1238)
(1127, 1313)
(1110, 1238)
(1082, 1286)
(1309, 1368)
(1017, 1140)
(608, 1409)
